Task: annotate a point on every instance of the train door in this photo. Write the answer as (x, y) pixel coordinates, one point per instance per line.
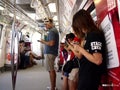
(9, 40)
(36, 46)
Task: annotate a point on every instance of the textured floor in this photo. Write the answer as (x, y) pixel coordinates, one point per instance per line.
(34, 78)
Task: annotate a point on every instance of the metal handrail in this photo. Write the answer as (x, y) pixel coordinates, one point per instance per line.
(110, 85)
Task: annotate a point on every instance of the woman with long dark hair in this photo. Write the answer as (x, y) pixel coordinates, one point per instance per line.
(93, 53)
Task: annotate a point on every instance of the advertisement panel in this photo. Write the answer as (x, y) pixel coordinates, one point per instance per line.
(107, 16)
(118, 4)
(107, 27)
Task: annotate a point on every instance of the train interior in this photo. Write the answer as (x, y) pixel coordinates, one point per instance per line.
(24, 20)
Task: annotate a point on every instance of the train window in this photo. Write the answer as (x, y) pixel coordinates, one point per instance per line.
(1, 27)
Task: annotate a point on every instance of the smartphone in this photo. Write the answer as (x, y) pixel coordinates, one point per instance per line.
(66, 43)
(38, 40)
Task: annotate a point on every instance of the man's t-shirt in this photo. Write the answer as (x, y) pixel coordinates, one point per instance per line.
(52, 35)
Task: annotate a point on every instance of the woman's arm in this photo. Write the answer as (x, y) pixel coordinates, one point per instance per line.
(76, 52)
(95, 58)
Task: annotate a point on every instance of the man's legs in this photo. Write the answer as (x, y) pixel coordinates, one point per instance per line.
(50, 59)
(52, 79)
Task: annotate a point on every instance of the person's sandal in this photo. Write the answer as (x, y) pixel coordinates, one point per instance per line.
(38, 58)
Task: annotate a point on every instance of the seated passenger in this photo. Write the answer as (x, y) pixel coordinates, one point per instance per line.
(26, 56)
(23, 59)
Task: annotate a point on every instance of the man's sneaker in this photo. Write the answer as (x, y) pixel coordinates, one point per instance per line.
(49, 88)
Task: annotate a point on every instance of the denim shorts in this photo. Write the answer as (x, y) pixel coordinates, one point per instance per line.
(66, 74)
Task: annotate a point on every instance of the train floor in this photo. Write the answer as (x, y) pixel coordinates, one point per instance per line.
(33, 78)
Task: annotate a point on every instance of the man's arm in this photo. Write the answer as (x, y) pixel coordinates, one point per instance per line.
(49, 43)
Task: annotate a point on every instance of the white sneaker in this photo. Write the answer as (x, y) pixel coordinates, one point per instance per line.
(49, 88)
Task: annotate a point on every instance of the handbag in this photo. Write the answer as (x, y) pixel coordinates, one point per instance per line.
(69, 65)
(76, 63)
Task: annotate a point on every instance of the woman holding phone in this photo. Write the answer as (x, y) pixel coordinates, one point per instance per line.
(92, 55)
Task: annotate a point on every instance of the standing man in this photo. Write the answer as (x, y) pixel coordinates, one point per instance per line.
(51, 50)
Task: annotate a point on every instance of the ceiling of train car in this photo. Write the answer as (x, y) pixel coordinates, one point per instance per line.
(67, 9)
(25, 5)
(37, 10)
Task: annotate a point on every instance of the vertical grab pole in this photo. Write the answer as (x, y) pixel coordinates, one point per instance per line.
(14, 56)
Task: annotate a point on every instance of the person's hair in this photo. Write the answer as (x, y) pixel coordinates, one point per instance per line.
(21, 41)
(48, 20)
(70, 36)
(83, 20)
